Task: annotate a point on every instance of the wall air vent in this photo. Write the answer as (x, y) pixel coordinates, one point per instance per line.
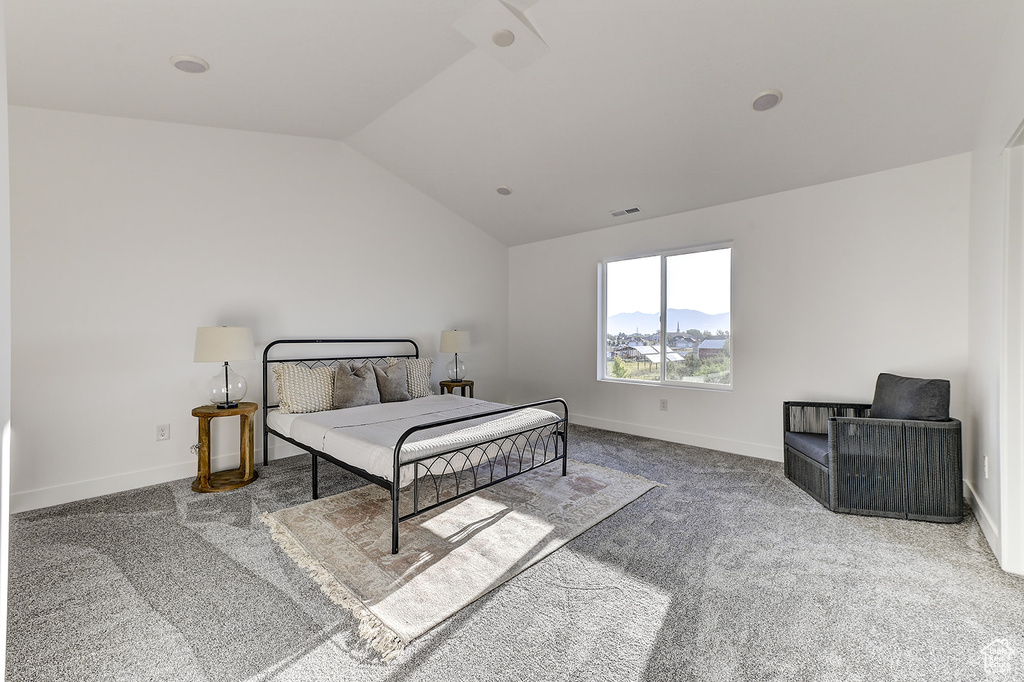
(625, 211)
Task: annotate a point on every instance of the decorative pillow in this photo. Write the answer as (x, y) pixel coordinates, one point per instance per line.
(419, 376)
(899, 397)
(355, 385)
(302, 389)
(418, 370)
(392, 382)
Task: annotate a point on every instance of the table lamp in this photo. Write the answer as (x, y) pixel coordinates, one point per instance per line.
(223, 344)
(455, 342)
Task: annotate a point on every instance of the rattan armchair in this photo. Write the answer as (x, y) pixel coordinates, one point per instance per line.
(855, 464)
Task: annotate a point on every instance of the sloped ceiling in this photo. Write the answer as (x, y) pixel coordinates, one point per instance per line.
(598, 105)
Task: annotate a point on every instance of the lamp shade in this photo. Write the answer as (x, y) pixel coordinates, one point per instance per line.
(224, 344)
(454, 341)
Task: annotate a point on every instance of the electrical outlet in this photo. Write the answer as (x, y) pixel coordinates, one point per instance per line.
(664, 405)
(986, 466)
(163, 431)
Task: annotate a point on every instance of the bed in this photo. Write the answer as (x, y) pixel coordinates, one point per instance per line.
(425, 449)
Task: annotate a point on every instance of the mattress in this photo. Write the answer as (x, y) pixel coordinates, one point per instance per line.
(365, 436)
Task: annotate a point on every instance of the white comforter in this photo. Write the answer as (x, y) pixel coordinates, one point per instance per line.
(365, 436)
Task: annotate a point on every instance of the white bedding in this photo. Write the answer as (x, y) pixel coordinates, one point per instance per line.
(365, 436)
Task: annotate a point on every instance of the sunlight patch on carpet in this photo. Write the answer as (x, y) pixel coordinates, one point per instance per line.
(449, 557)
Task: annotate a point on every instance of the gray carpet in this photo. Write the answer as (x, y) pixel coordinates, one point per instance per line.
(727, 572)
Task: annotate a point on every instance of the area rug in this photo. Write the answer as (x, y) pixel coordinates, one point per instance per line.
(448, 557)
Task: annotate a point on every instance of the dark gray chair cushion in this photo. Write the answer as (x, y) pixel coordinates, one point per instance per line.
(899, 397)
(814, 445)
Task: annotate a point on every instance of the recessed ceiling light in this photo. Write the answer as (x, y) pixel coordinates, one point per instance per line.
(503, 37)
(190, 64)
(504, 191)
(767, 99)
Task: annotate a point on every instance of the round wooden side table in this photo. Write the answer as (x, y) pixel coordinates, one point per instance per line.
(450, 386)
(245, 474)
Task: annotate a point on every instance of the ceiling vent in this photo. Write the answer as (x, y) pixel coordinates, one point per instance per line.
(625, 211)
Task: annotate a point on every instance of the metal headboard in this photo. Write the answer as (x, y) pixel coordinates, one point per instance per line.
(314, 358)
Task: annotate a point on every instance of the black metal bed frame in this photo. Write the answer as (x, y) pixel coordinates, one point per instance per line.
(477, 463)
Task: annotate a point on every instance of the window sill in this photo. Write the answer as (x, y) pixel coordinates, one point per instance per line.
(668, 384)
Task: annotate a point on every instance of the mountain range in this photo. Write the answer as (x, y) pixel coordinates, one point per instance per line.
(683, 319)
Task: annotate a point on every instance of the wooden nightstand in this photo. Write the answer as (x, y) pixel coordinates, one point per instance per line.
(450, 386)
(245, 474)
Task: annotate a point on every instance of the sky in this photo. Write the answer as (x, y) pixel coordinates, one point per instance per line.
(696, 281)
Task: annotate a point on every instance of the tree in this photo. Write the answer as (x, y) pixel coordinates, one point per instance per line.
(619, 369)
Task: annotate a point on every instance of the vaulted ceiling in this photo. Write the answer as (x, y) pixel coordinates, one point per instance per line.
(597, 105)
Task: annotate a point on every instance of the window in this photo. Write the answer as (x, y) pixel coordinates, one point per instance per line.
(666, 318)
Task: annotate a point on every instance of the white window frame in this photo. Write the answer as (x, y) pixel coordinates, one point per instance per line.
(602, 346)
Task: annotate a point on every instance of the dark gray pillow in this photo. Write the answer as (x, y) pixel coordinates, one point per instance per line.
(899, 397)
(393, 383)
(355, 385)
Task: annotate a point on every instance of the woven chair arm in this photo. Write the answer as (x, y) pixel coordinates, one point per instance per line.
(813, 417)
(893, 437)
(907, 468)
(916, 424)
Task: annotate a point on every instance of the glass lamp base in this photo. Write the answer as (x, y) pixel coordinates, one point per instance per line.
(456, 369)
(227, 388)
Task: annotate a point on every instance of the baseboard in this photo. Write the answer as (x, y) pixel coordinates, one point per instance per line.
(988, 527)
(95, 487)
(724, 444)
(81, 490)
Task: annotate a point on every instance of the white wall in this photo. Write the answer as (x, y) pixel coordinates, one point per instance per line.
(5, 341)
(129, 234)
(832, 285)
(994, 344)
(5, 243)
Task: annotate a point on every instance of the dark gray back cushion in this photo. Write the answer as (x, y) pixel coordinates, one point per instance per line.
(355, 385)
(899, 397)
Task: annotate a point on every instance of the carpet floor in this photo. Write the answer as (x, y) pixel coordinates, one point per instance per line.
(728, 572)
(450, 556)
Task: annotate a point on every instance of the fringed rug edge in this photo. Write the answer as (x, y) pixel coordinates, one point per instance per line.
(377, 635)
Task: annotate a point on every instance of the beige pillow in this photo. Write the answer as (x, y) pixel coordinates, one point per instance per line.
(302, 389)
(419, 376)
(355, 385)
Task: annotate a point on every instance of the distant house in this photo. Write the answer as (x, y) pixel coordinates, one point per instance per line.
(628, 352)
(709, 348)
(681, 341)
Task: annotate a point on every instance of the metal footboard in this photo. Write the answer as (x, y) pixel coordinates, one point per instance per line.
(466, 469)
